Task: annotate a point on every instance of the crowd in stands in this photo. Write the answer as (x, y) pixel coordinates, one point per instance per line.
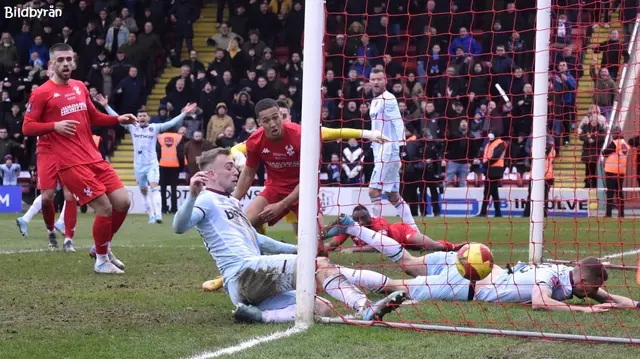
(442, 58)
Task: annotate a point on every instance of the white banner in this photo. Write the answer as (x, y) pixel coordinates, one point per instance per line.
(454, 202)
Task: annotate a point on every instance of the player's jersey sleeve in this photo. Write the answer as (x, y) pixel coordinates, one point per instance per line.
(192, 211)
(96, 117)
(253, 152)
(34, 124)
(111, 112)
(176, 121)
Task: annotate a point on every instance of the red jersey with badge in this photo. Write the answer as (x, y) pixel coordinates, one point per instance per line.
(281, 158)
(400, 232)
(51, 103)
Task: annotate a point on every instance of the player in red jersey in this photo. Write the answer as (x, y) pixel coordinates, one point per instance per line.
(62, 109)
(404, 234)
(277, 144)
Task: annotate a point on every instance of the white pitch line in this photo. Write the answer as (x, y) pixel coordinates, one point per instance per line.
(154, 246)
(249, 343)
(621, 254)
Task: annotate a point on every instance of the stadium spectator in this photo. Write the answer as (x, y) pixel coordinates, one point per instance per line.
(592, 133)
(171, 157)
(183, 14)
(352, 156)
(604, 89)
(10, 171)
(612, 52)
(493, 163)
(193, 149)
(227, 138)
(218, 122)
(456, 156)
(222, 39)
(432, 175)
(248, 128)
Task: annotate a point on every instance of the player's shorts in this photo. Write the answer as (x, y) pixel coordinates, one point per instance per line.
(285, 264)
(402, 233)
(47, 171)
(442, 282)
(275, 195)
(147, 175)
(386, 176)
(90, 181)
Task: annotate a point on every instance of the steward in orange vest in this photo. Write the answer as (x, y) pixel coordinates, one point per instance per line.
(171, 160)
(615, 168)
(493, 161)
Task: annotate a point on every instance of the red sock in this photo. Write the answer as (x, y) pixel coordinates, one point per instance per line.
(49, 215)
(117, 218)
(70, 218)
(102, 234)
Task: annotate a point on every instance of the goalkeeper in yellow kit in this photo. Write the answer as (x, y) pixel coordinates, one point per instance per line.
(238, 153)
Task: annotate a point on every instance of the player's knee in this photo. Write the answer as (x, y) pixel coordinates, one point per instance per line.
(47, 197)
(102, 206)
(374, 193)
(393, 197)
(323, 308)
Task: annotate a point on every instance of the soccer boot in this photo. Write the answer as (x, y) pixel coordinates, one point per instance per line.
(92, 252)
(212, 285)
(115, 260)
(384, 306)
(338, 227)
(247, 314)
(53, 240)
(158, 219)
(68, 246)
(59, 226)
(107, 267)
(152, 220)
(23, 226)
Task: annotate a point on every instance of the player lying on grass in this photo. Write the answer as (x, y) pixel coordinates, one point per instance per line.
(261, 286)
(145, 155)
(408, 236)
(544, 286)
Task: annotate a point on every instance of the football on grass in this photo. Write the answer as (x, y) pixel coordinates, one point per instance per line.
(474, 261)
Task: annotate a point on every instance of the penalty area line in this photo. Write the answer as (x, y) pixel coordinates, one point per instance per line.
(249, 343)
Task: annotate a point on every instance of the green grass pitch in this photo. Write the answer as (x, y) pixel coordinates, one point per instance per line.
(52, 305)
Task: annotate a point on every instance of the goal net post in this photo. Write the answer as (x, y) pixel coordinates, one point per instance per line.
(354, 36)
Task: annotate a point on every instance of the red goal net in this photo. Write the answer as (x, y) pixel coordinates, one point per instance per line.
(462, 75)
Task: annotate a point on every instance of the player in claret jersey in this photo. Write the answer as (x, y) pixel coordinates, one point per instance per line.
(62, 109)
(403, 233)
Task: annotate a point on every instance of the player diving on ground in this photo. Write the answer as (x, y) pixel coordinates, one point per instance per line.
(145, 156)
(261, 286)
(280, 152)
(545, 286)
(407, 235)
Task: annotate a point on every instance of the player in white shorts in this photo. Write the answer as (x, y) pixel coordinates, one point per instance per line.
(544, 286)
(262, 287)
(387, 119)
(145, 155)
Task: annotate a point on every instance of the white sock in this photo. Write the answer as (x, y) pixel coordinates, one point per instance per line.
(370, 280)
(33, 210)
(383, 244)
(404, 211)
(147, 206)
(61, 218)
(68, 240)
(339, 288)
(283, 315)
(376, 206)
(156, 202)
(101, 258)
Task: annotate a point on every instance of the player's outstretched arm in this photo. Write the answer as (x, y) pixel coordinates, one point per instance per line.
(188, 214)
(271, 246)
(541, 300)
(609, 300)
(329, 134)
(177, 121)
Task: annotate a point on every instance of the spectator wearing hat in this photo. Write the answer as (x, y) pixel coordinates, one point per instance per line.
(10, 171)
(218, 122)
(162, 116)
